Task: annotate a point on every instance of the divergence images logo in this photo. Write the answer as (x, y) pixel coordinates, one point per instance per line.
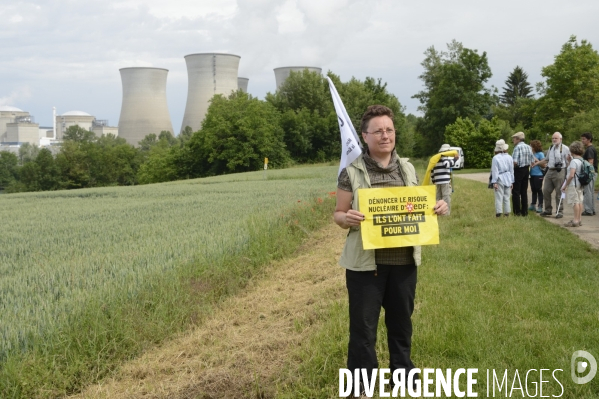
(580, 367)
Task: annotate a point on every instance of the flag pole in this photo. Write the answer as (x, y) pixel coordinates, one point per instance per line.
(351, 147)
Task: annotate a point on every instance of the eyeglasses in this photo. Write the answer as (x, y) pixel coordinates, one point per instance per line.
(378, 133)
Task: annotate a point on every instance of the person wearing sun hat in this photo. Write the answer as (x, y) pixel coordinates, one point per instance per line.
(502, 178)
(523, 157)
(441, 176)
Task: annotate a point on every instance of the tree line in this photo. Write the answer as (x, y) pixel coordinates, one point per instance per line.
(297, 124)
(461, 110)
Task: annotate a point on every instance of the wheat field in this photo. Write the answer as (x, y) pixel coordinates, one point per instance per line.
(58, 250)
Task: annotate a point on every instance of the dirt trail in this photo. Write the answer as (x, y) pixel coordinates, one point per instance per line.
(242, 348)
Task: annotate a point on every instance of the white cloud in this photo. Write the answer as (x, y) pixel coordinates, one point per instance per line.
(290, 18)
(69, 52)
(191, 8)
(16, 96)
(15, 19)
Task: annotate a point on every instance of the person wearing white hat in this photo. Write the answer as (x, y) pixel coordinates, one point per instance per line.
(441, 176)
(502, 178)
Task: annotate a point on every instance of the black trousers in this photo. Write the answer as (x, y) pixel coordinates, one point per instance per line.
(520, 191)
(536, 186)
(393, 288)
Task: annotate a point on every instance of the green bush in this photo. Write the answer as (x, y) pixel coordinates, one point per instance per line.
(476, 141)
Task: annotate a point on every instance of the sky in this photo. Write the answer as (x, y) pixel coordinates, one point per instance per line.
(68, 54)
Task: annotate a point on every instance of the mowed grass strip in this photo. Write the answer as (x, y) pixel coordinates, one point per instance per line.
(94, 277)
(241, 348)
(496, 294)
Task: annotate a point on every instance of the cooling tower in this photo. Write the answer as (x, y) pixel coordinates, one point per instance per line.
(281, 74)
(208, 74)
(242, 83)
(144, 109)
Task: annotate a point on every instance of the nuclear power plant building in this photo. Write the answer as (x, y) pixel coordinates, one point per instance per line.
(208, 74)
(242, 84)
(85, 121)
(72, 118)
(282, 73)
(144, 109)
(17, 127)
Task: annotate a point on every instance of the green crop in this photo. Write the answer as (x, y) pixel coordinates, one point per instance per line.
(60, 250)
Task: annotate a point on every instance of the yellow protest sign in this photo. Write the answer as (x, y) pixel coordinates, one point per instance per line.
(398, 216)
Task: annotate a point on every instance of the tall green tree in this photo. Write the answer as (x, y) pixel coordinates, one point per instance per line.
(114, 161)
(160, 164)
(520, 115)
(29, 177)
(74, 164)
(8, 169)
(357, 95)
(160, 160)
(148, 142)
(89, 161)
(48, 172)
(476, 141)
(185, 135)
(308, 116)
(303, 89)
(582, 122)
(571, 86)
(77, 157)
(516, 87)
(78, 134)
(238, 132)
(454, 86)
(27, 153)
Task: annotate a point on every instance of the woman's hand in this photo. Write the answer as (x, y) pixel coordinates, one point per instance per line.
(344, 215)
(353, 218)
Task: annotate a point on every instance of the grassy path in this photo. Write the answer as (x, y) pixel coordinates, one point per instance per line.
(241, 350)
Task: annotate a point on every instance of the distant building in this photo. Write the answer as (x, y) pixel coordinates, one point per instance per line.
(242, 84)
(46, 132)
(282, 73)
(84, 120)
(17, 127)
(208, 74)
(72, 118)
(100, 127)
(144, 109)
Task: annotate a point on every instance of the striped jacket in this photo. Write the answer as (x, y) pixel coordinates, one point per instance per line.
(441, 173)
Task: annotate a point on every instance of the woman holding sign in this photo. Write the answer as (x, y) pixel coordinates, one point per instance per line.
(381, 277)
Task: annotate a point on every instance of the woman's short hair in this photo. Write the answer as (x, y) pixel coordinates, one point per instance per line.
(536, 146)
(577, 148)
(372, 112)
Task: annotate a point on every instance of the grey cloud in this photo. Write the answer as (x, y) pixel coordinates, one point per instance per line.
(68, 52)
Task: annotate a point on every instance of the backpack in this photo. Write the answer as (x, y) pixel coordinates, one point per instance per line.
(587, 173)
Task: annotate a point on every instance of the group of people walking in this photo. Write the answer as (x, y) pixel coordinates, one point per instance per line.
(553, 172)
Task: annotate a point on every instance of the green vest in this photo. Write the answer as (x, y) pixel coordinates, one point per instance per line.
(353, 256)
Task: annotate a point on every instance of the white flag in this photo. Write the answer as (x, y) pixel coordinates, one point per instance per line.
(351, 146)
